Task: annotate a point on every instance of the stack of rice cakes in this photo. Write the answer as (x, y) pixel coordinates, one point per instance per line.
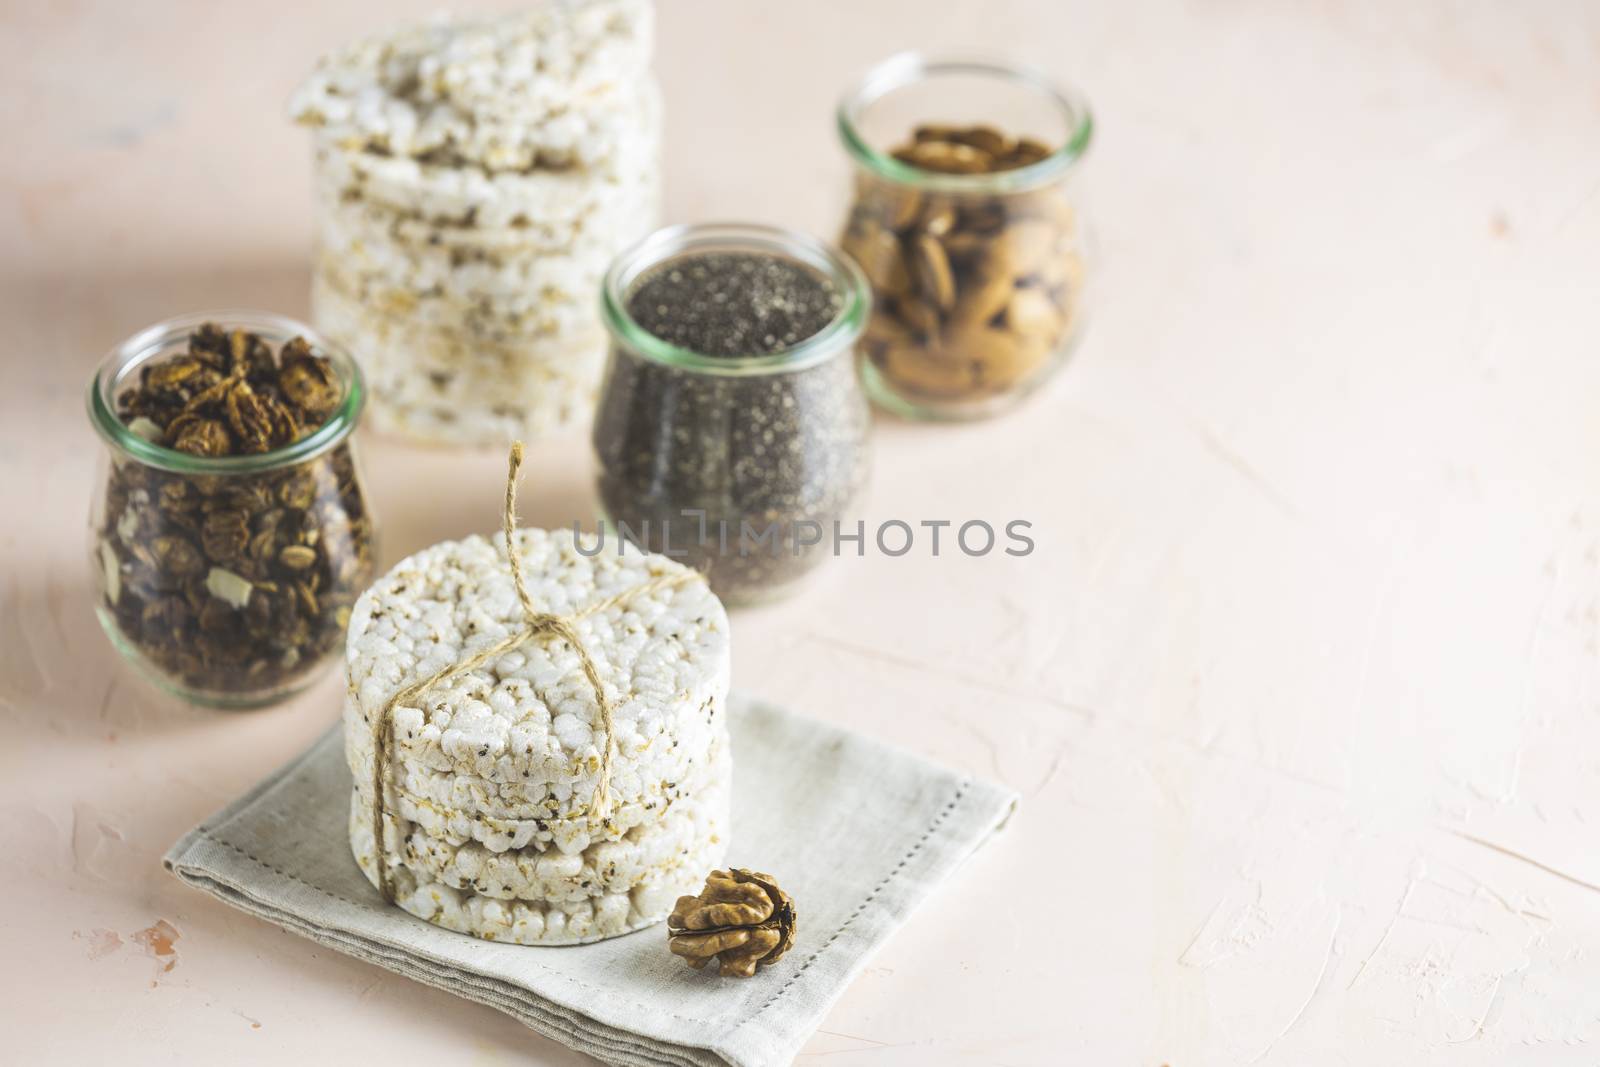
(491, 775)
(473, 179)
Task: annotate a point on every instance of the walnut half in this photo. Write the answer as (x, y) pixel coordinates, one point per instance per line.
(741, 918)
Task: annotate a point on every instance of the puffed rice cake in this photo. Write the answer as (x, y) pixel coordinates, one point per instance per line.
(688, 825)
(450, 384)
(644, 775)
(548, 814)
(493, 773)
(543, 922)
(529, 714)
(507, 92)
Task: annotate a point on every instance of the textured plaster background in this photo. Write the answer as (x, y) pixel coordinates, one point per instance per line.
(1300, 684)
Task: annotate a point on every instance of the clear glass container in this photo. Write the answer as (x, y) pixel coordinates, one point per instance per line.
(227, 580)
(978, 278)
(742, 465)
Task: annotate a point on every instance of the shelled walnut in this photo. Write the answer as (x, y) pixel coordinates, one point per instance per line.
(740, 918)
(974, 291)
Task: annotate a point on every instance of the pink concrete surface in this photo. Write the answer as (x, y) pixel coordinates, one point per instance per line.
(1299, 686)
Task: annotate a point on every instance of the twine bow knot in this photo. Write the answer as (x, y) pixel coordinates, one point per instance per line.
(537, 626)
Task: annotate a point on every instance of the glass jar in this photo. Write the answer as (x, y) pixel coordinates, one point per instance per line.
(227, 580)
(977, 276)
(743, 465)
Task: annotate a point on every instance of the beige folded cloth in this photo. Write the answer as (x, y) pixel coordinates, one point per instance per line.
(856, 832)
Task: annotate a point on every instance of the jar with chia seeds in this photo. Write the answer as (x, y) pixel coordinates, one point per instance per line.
(229, 531)
(731, 432)
(967, 221)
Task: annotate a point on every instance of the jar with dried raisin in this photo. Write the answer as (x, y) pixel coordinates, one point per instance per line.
(229, 533)
(967, 221)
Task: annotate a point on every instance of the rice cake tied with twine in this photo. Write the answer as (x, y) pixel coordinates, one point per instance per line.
(554, 684)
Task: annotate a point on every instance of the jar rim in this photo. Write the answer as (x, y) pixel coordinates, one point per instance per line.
(905, 68)
(670, 242)
(154, 340)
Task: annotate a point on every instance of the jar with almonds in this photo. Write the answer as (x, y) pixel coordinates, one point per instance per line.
(967, 221)
(229, 533)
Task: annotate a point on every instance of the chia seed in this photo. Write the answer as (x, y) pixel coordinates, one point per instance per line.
(775, 449)
(734, 303)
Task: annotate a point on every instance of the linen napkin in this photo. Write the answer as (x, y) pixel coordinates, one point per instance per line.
(856, 832)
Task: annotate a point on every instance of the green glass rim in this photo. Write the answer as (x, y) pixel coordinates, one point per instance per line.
(906, 68)
(161, 339)
(674, 242)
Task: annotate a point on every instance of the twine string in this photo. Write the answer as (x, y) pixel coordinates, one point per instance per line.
(537, 625)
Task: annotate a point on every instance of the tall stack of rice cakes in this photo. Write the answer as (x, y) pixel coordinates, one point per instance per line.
(473, 179)
(491, 775)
